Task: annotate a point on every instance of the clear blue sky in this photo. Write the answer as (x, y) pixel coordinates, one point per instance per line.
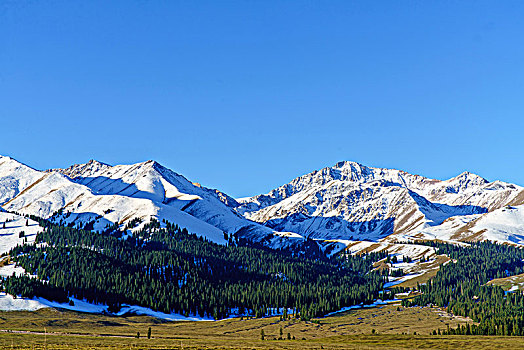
(246, 95)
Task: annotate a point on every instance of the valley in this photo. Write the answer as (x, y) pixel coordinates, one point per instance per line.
(260, 175)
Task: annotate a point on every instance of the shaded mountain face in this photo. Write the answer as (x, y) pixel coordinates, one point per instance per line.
(353, 202)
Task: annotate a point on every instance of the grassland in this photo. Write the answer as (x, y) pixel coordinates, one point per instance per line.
(512, 283)
(429, 270)
(349, 330)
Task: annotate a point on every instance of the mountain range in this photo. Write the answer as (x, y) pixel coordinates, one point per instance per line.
(348, 206)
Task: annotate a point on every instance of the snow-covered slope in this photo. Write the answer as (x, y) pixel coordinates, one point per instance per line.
(15, 178)
(10, 303)
(174, 197)
(16, 230)
(350, 201)
(104, 194)
(335, 206)
(504, 225)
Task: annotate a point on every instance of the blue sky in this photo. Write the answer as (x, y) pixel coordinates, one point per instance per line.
(246, 95)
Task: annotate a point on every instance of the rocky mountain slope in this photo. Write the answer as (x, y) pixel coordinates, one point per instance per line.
(352, 202)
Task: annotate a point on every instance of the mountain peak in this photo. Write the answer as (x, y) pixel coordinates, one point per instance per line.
(347, 163)
(152, 164)
(96, 162)
(75, 170)
(469, 177)
(12, 160)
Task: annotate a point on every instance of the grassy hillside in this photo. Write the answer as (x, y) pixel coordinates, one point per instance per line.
(512, 283)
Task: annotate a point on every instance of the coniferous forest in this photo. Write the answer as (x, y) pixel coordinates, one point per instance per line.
(165, 268)
(460, 286)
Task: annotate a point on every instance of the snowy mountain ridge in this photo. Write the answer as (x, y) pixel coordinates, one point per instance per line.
(336, 206)
(103, 195)
(350, 201)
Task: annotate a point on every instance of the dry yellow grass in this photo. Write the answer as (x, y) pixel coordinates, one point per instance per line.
(346, 330)
(509, 283)
(5, 261)
(430, 270)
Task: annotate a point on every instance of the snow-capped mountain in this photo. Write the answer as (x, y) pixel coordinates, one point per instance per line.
(353, 202)
(103, 195)
(337, 207)
(348, 208)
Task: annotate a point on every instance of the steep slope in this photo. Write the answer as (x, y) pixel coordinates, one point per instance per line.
(15, 177)
(353, 202)
(101, 195)
(54, 192)
(174, 197)
(503, 225)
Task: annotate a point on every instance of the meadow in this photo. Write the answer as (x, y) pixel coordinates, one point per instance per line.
(387, 327)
